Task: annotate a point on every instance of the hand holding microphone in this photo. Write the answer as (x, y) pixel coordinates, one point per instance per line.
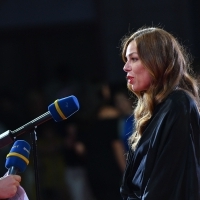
(16, 162)
(9, 185)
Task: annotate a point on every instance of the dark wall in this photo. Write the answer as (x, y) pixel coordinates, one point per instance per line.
(37, 37)
(31, 57)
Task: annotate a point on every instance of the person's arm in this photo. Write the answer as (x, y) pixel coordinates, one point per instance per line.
(9, 185)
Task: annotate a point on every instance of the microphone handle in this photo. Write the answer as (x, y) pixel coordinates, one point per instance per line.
(13, 170)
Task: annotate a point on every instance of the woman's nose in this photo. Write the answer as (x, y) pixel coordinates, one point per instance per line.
(127, 67)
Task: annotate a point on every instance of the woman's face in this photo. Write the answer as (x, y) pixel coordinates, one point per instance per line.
(138, 77)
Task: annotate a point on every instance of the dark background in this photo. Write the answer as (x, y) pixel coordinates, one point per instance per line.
(38, 36)
(46, 46)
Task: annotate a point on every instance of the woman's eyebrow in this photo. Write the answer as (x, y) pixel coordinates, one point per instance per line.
(130, 54)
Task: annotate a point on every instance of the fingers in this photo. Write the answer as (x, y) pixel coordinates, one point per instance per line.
(9, 185)
(14, 179)
(17, 178)
(12, 191)
(16, 182)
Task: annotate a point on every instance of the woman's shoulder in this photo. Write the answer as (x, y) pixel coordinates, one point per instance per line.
(180, 95)
(180, 99)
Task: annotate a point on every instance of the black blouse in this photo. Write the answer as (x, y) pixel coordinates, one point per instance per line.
(166, 162)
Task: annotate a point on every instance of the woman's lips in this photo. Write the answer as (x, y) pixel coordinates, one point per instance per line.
(130, 79)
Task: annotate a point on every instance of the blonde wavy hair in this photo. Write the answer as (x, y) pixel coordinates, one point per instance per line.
(169, 65)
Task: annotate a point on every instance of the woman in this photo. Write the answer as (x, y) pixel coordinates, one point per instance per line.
(163, 162)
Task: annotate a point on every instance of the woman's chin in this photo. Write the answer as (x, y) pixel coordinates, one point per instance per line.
(131, 87)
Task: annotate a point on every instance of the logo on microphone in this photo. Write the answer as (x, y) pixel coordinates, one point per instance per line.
(16, 146)
(25, 149)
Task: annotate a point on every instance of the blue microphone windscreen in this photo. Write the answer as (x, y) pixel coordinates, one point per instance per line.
(63, 108)
(18, 156)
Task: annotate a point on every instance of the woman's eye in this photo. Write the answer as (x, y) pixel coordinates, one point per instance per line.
(134, 59)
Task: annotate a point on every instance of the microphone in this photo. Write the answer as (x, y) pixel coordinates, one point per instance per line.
(60, 110)
(18, 157)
